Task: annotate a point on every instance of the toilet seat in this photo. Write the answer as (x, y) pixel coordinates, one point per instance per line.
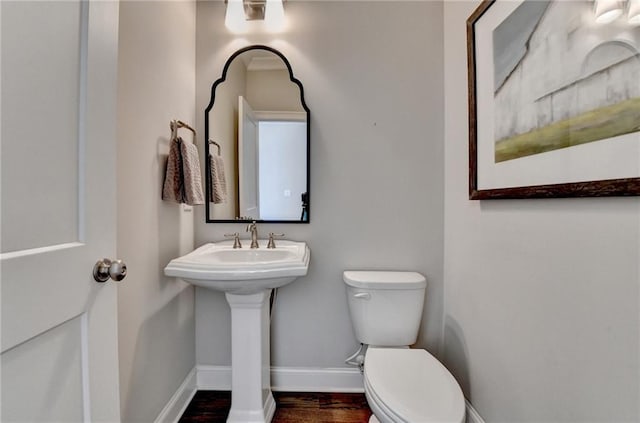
(411, 386)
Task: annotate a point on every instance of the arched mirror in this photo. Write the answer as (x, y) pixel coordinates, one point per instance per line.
(257, 133)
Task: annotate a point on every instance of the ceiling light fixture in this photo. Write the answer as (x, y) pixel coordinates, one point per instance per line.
(240, 12)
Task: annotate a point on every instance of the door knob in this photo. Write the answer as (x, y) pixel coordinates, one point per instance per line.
(106, 268)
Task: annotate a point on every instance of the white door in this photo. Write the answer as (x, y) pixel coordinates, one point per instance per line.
(248, 160)
(283, 168)
(59, 358)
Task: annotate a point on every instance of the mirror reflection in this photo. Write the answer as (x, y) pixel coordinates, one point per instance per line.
(257, 127)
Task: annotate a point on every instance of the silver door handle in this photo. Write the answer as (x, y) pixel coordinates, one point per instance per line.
(106, 268)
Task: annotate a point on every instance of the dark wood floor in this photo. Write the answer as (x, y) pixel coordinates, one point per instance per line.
(291, 407)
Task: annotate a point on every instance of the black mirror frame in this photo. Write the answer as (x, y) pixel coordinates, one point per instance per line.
(206, 136)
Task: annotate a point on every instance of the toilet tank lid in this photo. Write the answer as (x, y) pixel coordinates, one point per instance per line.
(373, 279)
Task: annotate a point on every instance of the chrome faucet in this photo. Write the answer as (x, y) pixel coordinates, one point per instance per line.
(253, 228)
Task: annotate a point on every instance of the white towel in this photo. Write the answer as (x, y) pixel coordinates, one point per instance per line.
(217, 180)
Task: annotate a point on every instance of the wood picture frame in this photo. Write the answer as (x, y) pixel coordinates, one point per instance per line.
(535, 108)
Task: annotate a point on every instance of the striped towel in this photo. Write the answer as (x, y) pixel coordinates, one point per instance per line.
(172, 188)
(182, 181)
(217, 180)
(191, 175)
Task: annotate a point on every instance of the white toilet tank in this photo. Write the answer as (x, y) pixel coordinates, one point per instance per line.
(385, 307)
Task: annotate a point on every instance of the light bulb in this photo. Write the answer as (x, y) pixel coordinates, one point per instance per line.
(274, 19)
(634, 12)
(607, 11)
(234, 19)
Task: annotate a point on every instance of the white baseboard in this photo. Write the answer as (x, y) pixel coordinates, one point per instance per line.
(472, 414)
(303, 379)
(289, 379)
(179, 401)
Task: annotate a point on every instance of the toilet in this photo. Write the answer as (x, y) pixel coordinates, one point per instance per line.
(402, 385)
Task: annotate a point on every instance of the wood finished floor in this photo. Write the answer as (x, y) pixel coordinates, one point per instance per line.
(291, 407)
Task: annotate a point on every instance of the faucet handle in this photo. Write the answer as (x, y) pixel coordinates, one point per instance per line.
(271, 243)
(236, 239)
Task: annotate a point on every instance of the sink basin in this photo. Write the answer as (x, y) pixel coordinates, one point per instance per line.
(220, 267)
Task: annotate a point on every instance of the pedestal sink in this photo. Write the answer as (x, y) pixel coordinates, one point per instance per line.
(246, 276)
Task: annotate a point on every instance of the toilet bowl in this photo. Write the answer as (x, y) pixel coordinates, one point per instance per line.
(412, 386)
(402, 385)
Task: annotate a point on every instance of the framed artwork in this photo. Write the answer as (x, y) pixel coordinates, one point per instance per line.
(554, 100)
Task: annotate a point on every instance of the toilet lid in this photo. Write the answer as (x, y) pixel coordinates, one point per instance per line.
(414, 385)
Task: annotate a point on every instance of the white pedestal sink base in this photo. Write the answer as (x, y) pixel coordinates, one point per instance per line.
(251, 397)
(254, 416)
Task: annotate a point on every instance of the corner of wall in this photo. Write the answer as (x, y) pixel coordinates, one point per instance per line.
(156, 83)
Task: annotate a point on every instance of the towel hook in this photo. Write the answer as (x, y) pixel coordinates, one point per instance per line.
(175, 124)
(216, 144)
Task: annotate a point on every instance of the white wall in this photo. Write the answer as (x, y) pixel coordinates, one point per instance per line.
(372, 75)
(156, 83)
(542, 301)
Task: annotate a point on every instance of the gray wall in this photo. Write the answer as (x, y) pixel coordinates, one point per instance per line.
(156, 83)
(372, 74)
(541, 302)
